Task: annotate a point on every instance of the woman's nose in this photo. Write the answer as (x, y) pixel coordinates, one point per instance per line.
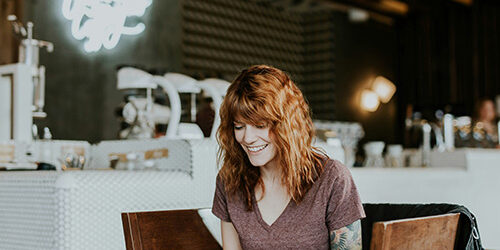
(250, 135)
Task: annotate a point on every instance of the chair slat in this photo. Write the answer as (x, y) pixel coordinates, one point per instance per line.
(432, 232)
(175, 229)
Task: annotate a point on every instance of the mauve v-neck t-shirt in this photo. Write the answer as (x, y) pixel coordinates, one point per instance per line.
(332, 202)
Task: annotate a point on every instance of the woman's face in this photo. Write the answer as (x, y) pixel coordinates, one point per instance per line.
(487, 111)
(257, 143)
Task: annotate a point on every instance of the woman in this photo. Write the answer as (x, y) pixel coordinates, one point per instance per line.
(486, 121)
(274, 190)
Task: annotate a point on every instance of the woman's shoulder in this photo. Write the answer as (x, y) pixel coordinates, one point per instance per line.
(334, 169)
(221, 188)
(219, 185)
(219, 182)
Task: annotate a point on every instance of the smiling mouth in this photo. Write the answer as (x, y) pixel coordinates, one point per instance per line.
(256, 149)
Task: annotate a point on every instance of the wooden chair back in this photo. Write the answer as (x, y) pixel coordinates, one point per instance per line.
(432, 232)
(175, 229)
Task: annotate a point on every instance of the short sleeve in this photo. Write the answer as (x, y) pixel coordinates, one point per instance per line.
(219, 206)
(344, 205)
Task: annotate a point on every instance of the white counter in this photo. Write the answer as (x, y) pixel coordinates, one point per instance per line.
(474, 184)
(80, 210)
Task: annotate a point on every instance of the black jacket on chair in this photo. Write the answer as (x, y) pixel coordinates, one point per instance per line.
(467, 232)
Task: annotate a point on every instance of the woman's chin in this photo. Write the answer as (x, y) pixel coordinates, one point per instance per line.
(260, 162)
(257, 163)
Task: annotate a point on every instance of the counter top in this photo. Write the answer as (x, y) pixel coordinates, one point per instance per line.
(474, 183)
(81, 209)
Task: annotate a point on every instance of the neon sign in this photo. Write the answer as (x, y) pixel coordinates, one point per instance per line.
(102, 22)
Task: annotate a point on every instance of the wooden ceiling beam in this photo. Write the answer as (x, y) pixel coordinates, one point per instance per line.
(393, 6)
(384, 7)
(464, 2)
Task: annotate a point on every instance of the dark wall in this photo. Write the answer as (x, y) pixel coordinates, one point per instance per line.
(81, 92)
(449, 55)
(8, 43)
(363, 51)
(225, 36)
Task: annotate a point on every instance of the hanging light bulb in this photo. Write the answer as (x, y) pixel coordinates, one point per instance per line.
(369, 100)
(384, 88)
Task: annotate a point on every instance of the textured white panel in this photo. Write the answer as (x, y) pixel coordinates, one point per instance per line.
(27, 210)
(82, 209)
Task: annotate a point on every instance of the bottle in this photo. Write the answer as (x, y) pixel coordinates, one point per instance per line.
(45, 149)
(47, 135)
(449, 133)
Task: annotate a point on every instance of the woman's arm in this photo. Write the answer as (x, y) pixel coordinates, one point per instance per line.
(230, 239)
(348, 237)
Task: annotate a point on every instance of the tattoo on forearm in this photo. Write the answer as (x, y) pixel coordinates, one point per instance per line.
(348, 237)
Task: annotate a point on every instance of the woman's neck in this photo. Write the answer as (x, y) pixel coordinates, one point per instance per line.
(271, 177)
(270, 172)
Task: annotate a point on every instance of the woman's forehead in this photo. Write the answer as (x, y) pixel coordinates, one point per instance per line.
(240, 119)
(255, 120)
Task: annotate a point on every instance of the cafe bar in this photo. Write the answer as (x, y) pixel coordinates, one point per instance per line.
(249, 124)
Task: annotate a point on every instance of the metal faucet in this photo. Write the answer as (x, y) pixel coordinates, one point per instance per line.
(438, 133)
(29, 55)
(426, 144)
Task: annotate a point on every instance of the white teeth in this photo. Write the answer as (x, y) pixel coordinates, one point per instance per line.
(255, 149)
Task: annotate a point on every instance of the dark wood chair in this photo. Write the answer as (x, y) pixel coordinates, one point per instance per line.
(175, 229)
(431, 232)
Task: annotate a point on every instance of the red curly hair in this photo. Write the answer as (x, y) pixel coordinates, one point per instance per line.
(263, 94)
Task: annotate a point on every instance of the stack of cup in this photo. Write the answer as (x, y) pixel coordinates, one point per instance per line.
(373, 152)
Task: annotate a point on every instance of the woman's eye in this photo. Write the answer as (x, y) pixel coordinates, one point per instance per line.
(238, 127)
(261, 126)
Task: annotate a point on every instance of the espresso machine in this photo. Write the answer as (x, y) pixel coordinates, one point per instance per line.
(22, 86)
(140, 112)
